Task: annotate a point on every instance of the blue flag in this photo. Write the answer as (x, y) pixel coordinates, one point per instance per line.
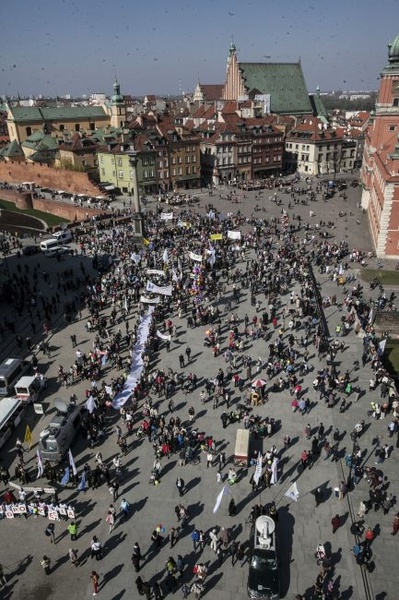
(82, 484)
(65, 479)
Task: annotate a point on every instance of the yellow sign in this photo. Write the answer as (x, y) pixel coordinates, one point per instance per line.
(216, 236)
(146, 242)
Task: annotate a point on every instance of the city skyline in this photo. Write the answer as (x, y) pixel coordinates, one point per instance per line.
(59, 47)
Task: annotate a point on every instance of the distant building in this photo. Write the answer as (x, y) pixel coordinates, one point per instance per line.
(380, 169)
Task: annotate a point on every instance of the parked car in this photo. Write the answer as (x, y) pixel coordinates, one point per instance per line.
(30, 250)
(263, 580)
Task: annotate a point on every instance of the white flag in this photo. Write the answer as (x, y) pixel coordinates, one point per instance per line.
(72, 463)
(109, 391)
(381, 347)
(292, 492)
(224, 492)
(258, 468)
(40, 468)
(90, 404)
(165, 256)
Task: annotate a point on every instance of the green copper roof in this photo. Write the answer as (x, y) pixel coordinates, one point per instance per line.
(317, 105)
(393, 56)
(283, 81)
(25, 114)
(13, 149)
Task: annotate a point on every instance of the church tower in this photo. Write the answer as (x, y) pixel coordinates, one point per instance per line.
(118, 108)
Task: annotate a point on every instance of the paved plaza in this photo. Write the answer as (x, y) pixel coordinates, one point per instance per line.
(302, 525)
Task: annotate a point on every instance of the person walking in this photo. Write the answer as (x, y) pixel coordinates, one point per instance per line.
(46, 564)
(94, 580)
(214, 540)
(73, 530)
(50, 532)
(73, 557)
(336, 523)
(125, 508)
(136, 557)
(110, 520)
(195, 536)
(209, 459)
(180, 485)
(173, 536)
(95, 547)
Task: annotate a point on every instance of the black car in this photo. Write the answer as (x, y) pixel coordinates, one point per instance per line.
(30, 250)
(263, 579)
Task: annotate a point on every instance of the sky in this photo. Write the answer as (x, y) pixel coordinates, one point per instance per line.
(59, 47)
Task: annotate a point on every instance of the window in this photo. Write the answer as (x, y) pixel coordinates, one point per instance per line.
(145, 174)
(187, 170)
(101, 159)
(179, 160)
(392, 127)
(395, 102)
(187, 160)
(193, 158)
(77, 127)
(120, 174)
(174, 172)
(180, 171)
(119, 162)
(161, 164)
(92, 126)
(102, 171)
(193, 170)
(173, 160)
(28, 131)
(131, 174)
(62, 127)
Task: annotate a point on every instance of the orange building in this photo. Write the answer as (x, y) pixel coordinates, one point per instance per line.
(380, 169)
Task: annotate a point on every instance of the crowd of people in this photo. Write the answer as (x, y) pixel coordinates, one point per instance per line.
(267, 271)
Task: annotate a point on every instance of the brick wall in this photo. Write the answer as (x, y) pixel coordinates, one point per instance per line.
(45, 176)
(70, 212)
(22, 200)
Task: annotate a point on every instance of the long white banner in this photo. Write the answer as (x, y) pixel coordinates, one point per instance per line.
(155, 272)
(234, 235)
(166, 216)
(165, 290)
(163, 336)
(146, 300)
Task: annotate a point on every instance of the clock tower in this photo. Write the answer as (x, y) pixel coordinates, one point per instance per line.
(118, 107)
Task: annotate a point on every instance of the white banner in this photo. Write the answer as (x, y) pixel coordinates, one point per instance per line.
(146, 300)
(165, 290)
(166, 216)
(196, 257)
(163, 336)
(234, 235)
(156, 272)
(137, 364)
(72, 462)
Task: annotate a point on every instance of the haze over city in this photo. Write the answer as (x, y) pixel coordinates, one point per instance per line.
(55, 47)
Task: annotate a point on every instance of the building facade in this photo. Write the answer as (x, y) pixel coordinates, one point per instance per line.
(380, 169)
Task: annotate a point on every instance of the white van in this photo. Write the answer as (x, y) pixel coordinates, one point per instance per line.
(47, 244)
(63, 236)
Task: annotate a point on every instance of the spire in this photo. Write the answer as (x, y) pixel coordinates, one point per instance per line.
(232, 49)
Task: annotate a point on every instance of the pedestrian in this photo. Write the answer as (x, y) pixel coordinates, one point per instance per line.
(95, 548)
(336, 523)
(188, 353)
(157, 590)
(136, 557)
(125, 508)
(94, 579)
(73, 530)
(73, 557)
(180, 486)
(362, 509)
(209, 459)
(195, 536)
(241, 555)
(110, 520)
(173, 536)
(50, 532)
(233, 552)
(113, 490)
(222, 460)
(369, 537)
(46, 564)
(395, 524)
(214, 540)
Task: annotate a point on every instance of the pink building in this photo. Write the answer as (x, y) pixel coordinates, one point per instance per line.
(380, 169)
